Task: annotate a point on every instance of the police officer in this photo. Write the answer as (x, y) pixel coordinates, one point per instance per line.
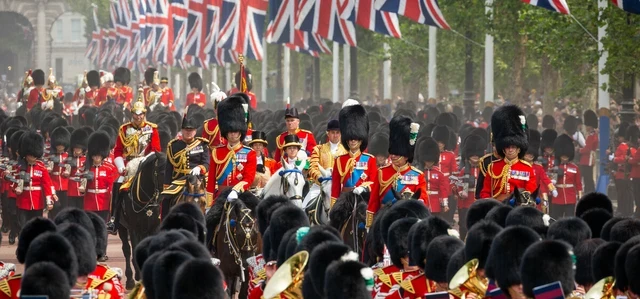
(189, 155)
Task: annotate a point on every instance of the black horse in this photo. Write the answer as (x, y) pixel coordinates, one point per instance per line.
(140, 209)
(348, 216)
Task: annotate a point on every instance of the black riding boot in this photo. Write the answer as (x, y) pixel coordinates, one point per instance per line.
(112, 224)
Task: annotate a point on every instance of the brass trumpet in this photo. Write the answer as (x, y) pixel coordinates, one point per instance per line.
(467, 281)
(603, 289)
(287, 280)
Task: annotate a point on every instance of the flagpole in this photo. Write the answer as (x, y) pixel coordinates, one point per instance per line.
(265, 72)
(286, 81)
(336, 73)
(346, 69)
(488, 60)
(386, 72)
(433, 35)
(603, 104)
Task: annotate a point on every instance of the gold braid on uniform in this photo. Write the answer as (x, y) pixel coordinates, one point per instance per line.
(342, 172)
(502, 178)
(130, 143)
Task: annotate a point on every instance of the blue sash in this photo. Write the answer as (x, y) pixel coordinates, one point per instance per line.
(356, 174)
(230, 166)
(388, 196)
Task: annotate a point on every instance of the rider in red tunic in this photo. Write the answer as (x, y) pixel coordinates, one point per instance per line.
(124, 95)
(38, 93)
(148, 83)
(167, 94)
(196, 96)
(306, 137)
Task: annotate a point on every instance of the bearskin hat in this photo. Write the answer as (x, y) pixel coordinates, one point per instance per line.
(547, 138)
(625, 230)
(289, 238)
(320, 258)
(631, 269)
(60, 136)
(52, 247)
(195, 81)
(14, 142)
(438, 254)
(479, 209)
(100, 233)
(473, 145)
(505, 255)
(546, 262)
(603, 260)
(165, 268)
(93, 78)
(479, 240)
(38, 77)
(317, 235)
(398, 239)
(403, 140)
(99, 142)
(509, 127)
(590, 119)
(456, 262)
(248, 77)
(532, 122)
(563, 146)
(148, 75)
(534, 144)
(192, 211)
(265, 209)
(498, 214)
(633, 133)
(189, 277)
(402, 209)
(283, 219)
(31, 230)
(622, 281)
(31, 144)
(122, 75)
(572, 230)
(45, 279)
(548, 122)
(486, 113)
(447, 119)
(570, 125)
(56, 122)
(349, 280)
(83, 245)
(441, 134)
(428, 151)
(529, 217)
(596, 219)
(232, 116)
(584, 257)
(354, 125)
(379, 145)
(79, 139)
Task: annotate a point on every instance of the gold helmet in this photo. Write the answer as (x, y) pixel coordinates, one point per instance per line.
(28, 80)
(52, 78)
(139, 107)
(156, 78)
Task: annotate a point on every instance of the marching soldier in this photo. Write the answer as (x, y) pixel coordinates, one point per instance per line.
(622, 183)
(508, 126)
(60, 139)
(196, 96)
(634, 161)
(167, 94)
(569, 184)
(265, 166)
(188, 155)
(137, 138)
(148, 83)
(400, 176)
(354, 171)
(548, 137)
(473, 148)
(323, 156)
(233, 165)
(100, 176)
(11, 219)
(379, 148)
(124, 95)
(545, 186)
(34, 178)
(38, 94)
(437, 183)
(588, 152)
(91, 94)
(108, 91)
(293, 128)
(78, 147)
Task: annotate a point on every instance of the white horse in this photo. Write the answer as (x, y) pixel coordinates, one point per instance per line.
(289, 181)
(317, 203)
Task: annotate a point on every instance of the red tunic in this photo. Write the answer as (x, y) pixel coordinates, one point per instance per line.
(253, 100)
(417, 287)
(76, 95)
(106, 93)
(102, 275)
(465, 200)
(551, 162)
(306, 138)
(211, 132)
(31, 198)
(350, 172)
(92, 95)
(588, 152)
(447, 163)
(10, 286)
(200, 99)
(97, 196)
(125, 95)
(74, 185)
(437, 188)
(519, 174)
(543, 181)
(145, 128)
(168, 98)
(380, 272)
(35, 97)
(391, 284)
(60, 183)
(234, 168)
(569, 185)
(620, 158)
(635, 164)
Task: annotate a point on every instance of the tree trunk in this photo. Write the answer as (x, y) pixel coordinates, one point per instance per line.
(548, 86)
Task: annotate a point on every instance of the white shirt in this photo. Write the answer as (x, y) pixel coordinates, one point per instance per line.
(334, 147)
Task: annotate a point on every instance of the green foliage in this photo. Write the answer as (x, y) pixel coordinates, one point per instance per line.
(85, 8)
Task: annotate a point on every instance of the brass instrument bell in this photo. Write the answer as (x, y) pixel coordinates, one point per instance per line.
(467, 281)
(287, 280)
(603, 289)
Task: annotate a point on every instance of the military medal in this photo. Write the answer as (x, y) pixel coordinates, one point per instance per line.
(240, 167)
(363, 176)
(239, 176)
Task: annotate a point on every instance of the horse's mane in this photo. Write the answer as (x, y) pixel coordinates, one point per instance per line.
(343, 208)
(246, 199)
(160, 157)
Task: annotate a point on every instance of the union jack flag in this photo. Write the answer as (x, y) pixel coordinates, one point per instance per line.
(148, 32)
(323, 18)
(631, 6)
(160, 19)
(123, 29)
(194, 43)
(179, 14)
(136, 42)
(113, 35)
(281, 29)
(364, 13)
(214, 54)
(422, 11)
(243, 29)
(104, 47)
(553, 5)
(93, 48)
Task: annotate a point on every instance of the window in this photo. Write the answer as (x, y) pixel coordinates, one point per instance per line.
(59, 30)
(76, 32)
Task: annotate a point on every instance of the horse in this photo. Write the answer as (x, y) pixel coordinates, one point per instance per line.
(317, 203)
(189, 188)
(233, 237)
(348, 216)
(140, 208)
(289, 181)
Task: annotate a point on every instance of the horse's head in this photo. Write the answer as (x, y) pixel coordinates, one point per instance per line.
(348, 216)
(292, 181)
(240, 222)
(405, 195)
(195, 191)
(521, 198)
(195, 184)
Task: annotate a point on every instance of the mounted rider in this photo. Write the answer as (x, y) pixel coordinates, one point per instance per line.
(107, 90)
(233, 165)
(54, 92)
(167, 94)
(27, 86)
(292, 120)
(354, 171)
(91, 93)
(136, 139)
(400, 176)
(323, 156)
(265, 166)
(124, 95)
(38, 92)
(186, 156)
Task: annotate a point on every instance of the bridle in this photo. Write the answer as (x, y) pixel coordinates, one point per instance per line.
(284, 183)
(153, 199)
(230, 234)
(355, 225)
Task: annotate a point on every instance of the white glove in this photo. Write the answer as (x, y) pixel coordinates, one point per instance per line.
(358, 190)
(233, 195)
(554, 193)
(611, 157)
(195, 171)
(553, 182)
(119, 162)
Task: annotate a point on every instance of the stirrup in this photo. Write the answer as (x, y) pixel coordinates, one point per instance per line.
(111, 228)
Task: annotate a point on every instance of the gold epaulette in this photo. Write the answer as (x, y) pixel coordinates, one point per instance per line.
(416, 170)
(306, 131)
(525, 163)
(106, 277)
(481, 163)
(202, 139)
(151, 124)
(397, 276)
(5, 287)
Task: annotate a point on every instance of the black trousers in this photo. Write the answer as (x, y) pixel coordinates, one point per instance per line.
(560, 211)
(462, 222)
(25, 215)
(103, 214)
(624, 189)
(9, 214)
(76, 202)
(62, 203)
(453, 206)
(588, 184)
(636, 195)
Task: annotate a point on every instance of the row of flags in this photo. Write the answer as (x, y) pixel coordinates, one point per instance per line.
(204, 32)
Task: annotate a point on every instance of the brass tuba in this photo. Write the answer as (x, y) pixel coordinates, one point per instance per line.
(603, 289)
(287, 281)
(466, 281)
